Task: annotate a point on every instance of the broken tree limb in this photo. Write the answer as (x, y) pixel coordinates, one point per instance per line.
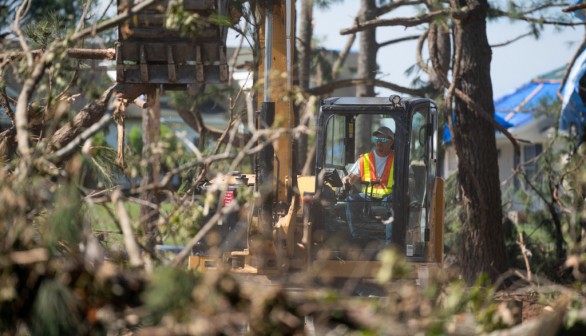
(573, 8)
(92, 113)
(95, 54)
(77, 53)
(118, 117)
(129, 240)
(21, 115)
(75, 143)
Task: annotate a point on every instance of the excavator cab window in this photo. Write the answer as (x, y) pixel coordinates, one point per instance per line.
(421, 174)
(359, 212)
(365, 219)
(336, 142)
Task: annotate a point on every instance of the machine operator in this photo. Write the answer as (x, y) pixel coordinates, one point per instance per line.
(375, 166)
(375, 170)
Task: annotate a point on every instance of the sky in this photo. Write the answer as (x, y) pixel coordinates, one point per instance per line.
(511, 66)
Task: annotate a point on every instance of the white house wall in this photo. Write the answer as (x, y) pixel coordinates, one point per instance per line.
(530, 133)
(506, 160)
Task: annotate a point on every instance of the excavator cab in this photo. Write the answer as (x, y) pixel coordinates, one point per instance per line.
(335, 231)
(355, 225)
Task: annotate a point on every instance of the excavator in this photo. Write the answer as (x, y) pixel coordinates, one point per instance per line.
(309, 223)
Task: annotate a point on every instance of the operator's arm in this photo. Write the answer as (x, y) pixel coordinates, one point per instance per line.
(350, 179)
(353, 175)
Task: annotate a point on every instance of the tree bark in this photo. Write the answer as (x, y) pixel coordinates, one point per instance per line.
(151, 126)
(484, 248)
(7, 144)
(366, 69)
(92, 112)
(305, 36)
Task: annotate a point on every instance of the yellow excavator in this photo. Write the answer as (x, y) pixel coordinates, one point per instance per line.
(302, 223)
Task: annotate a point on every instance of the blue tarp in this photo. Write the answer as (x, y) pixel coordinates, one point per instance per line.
(573, 110)
(524, 104)
(573, 114)
(579, 14)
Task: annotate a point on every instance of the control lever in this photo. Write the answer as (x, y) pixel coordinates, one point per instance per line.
(344, 190)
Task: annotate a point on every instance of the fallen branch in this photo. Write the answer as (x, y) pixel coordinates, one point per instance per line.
(92, 113)
(180, 258)
(129, 240)
(29, 257)
(77, 53)
(75, 143)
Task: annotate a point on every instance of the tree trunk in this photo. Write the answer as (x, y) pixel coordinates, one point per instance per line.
(484, 248)
(560, 242)
(305, 36)
(151, 126)
(366, 69)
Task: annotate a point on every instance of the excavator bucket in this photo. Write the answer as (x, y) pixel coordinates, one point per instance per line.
(149, 51)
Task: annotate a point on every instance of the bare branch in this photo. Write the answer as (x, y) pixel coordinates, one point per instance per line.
(81, 22)
(234, 59)
(398, 40)
(404, 21)
(328, 88)
(29, 257)
(233, 206)
(525, 252)
(574, 8)
(90, 31)
(502, 44)
(20, 14)
(129, 240)
(78, 53)
(396, 4)
(420, 62)
(342, 56)
(21, 116)
(106, 10)
(542, 21)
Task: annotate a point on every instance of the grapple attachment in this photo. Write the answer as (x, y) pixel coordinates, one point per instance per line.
(157, 47)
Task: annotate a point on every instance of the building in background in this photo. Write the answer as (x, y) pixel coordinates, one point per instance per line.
(529, 114)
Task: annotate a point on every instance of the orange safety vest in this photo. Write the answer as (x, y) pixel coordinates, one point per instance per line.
(368, 174)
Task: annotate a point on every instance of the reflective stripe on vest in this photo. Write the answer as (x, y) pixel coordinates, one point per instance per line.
(368, 174)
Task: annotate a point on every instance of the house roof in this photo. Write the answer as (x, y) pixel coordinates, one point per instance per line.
(519, 107)
(524, 104)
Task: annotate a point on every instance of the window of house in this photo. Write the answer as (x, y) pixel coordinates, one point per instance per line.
(529, 154)
(527, 159)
